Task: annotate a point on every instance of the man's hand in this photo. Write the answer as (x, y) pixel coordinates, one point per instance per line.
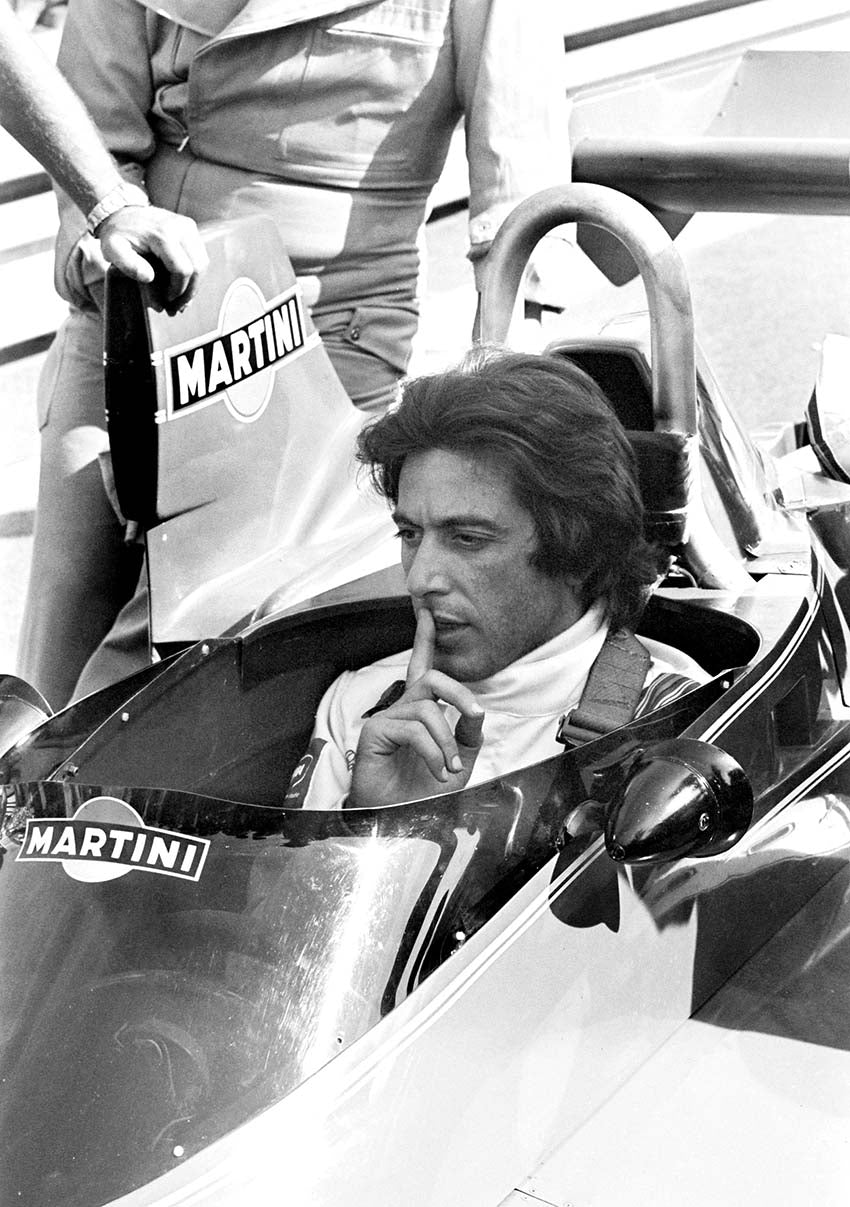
(408, 751)
(138, 230)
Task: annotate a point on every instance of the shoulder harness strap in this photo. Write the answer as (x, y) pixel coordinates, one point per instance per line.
(389, 696)
(612, 691)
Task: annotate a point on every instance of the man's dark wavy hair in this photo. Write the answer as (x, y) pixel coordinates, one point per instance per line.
(549, 426)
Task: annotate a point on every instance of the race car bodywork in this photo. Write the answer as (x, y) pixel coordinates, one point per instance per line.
(210, 999)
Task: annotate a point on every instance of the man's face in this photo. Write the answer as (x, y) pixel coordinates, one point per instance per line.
(466, 545)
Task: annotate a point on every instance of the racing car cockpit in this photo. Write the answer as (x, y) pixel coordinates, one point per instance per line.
(209, 997)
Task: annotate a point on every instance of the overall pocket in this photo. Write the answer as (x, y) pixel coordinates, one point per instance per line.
(363, 72)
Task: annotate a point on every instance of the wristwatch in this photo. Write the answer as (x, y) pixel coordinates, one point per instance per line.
(116, 199)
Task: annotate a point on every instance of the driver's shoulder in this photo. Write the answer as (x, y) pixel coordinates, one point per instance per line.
(671, 674)
(668, 660)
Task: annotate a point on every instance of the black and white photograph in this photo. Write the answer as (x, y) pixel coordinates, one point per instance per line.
(424, 603)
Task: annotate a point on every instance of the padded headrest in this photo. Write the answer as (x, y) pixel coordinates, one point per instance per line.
(663, 458)
(664, 476)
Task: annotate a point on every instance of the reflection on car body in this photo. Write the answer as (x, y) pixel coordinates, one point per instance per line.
(484, 967)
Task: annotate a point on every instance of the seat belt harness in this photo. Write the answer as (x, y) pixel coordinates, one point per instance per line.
(612, 691)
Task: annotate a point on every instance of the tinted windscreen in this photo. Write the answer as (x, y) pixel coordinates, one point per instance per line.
(171, 964)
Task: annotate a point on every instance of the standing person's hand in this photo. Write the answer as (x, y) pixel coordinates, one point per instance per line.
(409, 751)
(39, 109)
(136, 231)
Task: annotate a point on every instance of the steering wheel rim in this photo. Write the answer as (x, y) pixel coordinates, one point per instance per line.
(674, 395)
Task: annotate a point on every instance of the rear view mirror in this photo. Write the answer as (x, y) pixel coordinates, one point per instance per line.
(682, 798)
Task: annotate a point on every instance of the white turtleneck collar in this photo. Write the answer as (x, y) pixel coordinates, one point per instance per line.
(550, 678)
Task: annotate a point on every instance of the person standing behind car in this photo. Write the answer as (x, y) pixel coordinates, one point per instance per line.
(334, 117)
(40, 111)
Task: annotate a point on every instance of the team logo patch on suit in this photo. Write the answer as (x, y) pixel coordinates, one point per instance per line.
(236, 363)
(106, 838)
(299, 784)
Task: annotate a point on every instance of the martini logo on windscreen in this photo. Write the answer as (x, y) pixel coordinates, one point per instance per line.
(107, 838)
(237, 362)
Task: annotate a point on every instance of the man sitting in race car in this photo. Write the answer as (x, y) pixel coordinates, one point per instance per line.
(521, 530)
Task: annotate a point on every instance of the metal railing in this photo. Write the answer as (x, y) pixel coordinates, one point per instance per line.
(645, 22)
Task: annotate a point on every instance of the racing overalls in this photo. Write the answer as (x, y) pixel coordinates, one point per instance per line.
(523, 704)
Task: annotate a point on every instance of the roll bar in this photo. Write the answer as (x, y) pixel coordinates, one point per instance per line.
(661, 269)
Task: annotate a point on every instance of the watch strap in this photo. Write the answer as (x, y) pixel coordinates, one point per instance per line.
(123, 194)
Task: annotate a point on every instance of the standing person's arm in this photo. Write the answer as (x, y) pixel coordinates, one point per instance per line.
(511, 85)
(41, 111)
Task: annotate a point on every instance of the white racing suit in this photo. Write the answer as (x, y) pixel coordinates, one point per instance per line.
(523, 705)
